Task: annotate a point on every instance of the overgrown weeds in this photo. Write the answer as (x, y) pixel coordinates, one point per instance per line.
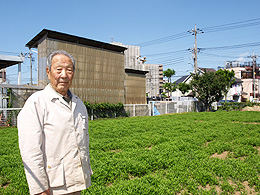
(188, 153)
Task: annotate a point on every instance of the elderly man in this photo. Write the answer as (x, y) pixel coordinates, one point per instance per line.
(53, 133)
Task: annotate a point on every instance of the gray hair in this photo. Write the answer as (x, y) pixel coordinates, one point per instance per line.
(54, 53)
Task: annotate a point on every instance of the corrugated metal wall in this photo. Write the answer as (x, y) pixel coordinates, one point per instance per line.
(135, 87)
(42, 53)
(99, 74)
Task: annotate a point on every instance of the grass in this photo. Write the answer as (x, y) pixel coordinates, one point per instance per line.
(189, 153)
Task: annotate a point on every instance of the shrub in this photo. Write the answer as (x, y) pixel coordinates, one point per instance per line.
(105, 110)
(188, 153)
(229, 106)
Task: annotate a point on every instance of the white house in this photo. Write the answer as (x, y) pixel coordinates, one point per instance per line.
(235, 92)
(187, 79)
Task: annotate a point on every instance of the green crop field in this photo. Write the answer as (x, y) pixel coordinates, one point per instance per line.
(189, 153)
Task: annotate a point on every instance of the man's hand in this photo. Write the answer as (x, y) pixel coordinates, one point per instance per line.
(46, 192)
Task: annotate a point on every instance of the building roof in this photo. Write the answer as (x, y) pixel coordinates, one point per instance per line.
(237, 80)
(12, 86)
(72, 39)
(6, 61)
(207, 69)
(141, 72)
(183, 78)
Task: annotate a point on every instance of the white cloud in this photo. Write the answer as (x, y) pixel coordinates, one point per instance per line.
(242, 57)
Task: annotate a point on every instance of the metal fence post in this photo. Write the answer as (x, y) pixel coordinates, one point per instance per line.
(92, 117)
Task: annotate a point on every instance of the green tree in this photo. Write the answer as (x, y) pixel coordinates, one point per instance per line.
(226, 79)
(170, 87)
(169, 73)
(206, 88)
(164, 95)
(184, 88)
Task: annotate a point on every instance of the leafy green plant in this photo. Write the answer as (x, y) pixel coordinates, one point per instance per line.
(210, 86)
(230, 106)
(12, 114)
(188, 153)
(169, 86)
(184, 88)
(106, 110)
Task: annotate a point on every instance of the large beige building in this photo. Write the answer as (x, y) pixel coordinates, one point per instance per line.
(154, 80)
(133, 59)
(154, 72)
(100, 74)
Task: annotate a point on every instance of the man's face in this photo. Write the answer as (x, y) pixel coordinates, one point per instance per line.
(61, 73)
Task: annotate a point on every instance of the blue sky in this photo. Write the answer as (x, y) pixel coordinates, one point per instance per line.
(135, 22)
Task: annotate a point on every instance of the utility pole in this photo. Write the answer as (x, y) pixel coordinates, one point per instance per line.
(30, 56)
(194, 32)
(254, 65)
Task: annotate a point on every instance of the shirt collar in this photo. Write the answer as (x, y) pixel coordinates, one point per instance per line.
(59, 95)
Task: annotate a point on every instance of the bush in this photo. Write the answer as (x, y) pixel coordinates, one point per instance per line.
(166, 154)
(229, 106)
(105, 110)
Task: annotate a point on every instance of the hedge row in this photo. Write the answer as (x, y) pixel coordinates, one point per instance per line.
(105, 110)
(229, 106)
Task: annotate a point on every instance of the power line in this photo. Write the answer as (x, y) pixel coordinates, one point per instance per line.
(216, 55)
(9, 52)
(169, 57)
(171, 61)
(234, 25)
(223, 27)
(164, 39)
(166, 53)
(232, 46)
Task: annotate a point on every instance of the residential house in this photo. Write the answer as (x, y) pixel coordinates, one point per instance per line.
(250, 77)
(187, 79)
(235, 92)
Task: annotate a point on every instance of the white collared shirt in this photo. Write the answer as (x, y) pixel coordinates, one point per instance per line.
(54, 143)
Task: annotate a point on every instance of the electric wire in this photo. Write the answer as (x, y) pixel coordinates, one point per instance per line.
(164, 39)
(11, 53)
(165, 53)
(206, 29)
(217, 28)
(232, 46)
(230, 26)
(217, 55)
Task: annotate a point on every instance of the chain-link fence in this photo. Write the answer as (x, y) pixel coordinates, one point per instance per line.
(8, 116)
(167, 107)
(138, 109)
(163, 107)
